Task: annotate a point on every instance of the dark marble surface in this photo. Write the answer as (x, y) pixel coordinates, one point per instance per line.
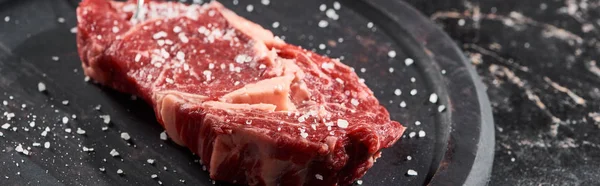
(537, 59)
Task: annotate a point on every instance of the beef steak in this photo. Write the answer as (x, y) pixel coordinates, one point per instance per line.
(257, 110)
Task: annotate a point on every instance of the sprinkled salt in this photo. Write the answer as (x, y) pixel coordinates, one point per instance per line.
(65, 102)
(275, 24)
(159, 35)
(417, 123)
(392, 54)
(443, 71)
(65, 120)
(397, 92)
(7, 19)
(323, 7)
(125, 136)
(402, 104)
(408, 158)
(322, 46)
(330, 13)
(370, 25)
(80, 131)
(115, 29)
(137, 58)
(363, 70)
(337, 5)
(102, 169)
(391, 70)
(319, 177)
(354, 102)
(412, 134)
(68, 130)
(163, 135)
(86, 149)
(153, 176)
(342, 123)
(323, 24)
(36, 144)
(41, 87)
(433, 98)
(176, 29)
(411, 172)
(73, 30)
(413, 92)
(441, 108)
(119, 171)
(47, 145)
(150, 161)
(61, 20)
(249, 8)
(32, 124)
(421, 133)
(409, 61)
(360, 182)
(1, 134)
(412, 79)
(114, 153)
(105, 118)
(265, 2)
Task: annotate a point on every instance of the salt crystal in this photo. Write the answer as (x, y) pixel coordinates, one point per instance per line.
(417, 123)
(73, 30)
(397, 92)
(433, 98)
(342, 123)
(125, 136)
(275, 24)
(391, 70)
(370, 25)
(19, 148)
(360, 182)
(337, 5)
(163, 135)
(65, 120)
(55, 58)
(115, 29)
(61, 20)
(102, 169)
(119, 171)
(86, 149)
(330, 13)
(392, 54)
(323, 7)
(47, 145)
(65, 102)
(105, 118)
(421, 133)
(137, 58)
(441, 108)
(32, 124)
(36, 144)
(41, 87)
(104, 128)
(1, 134)
(413, 92)
(68, 130)
(5, 103)
(412, 79)
(176, 29)
(354, 102)
(114, 153)
(249, 8)
(322, 46)
(319, 177)
(408, 158)
(443, 71)
(363, 70)
(150, 161)
(7, 19)
(323, 24)
(411, 172)
(159, 35)
(265, 2)
(80, 131)
(409, 61)
(412, 134)
(86, 78)
(153, 176)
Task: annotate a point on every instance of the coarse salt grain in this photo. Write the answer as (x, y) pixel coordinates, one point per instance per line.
(441, 108)
(125, 136)
(73, 30)
(392, 54)
(105, 118)
(322, 46)
(413, 92)
(408, 61)
(275, 24)
(417, 123)
(412, 134)
(433, 98)
(337, 5)
(421, 133)
(153, 176)
(61, 20)
(114, 153)
(354, 102)
(115, 29)
(265, 2)
(342, 123)
(47, 145)
(80, 131)
(119, 171)
(250, 8)
(32, 124)
(65, 120)
(408, 158)
(323, 7)
(323, 24)
(163, 135)
(6, 126)
(7, 19)
(137, 58)
(176, 29)
(402, 104)
(397, 92)
(370, 25)
(411, 172)
(36, 144)
(150, 161)
(391, 70)
(68, 130)
(319, 177)
(360, 182)
(41, 87)
(412, 79)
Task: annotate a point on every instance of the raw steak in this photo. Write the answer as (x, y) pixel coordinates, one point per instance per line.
(257, 110)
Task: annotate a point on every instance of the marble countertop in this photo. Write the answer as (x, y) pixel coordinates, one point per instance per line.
(538, 61)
